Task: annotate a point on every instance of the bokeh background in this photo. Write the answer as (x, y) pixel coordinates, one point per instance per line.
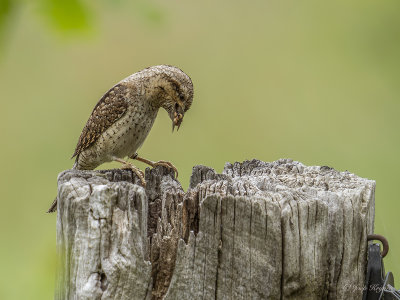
(311, 80)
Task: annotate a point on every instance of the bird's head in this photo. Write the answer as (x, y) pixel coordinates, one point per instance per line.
(172, 90)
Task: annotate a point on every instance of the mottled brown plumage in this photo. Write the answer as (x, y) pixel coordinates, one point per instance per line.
(109, 109)
(123, 117)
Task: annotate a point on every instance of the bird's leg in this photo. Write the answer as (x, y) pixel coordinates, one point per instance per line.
(136, 170)
(158, 163)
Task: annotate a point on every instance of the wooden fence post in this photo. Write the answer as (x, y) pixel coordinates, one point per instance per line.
(259, 230)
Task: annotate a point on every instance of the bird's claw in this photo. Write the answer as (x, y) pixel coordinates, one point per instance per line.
(163, 163)
(136, 170)
(168, 165)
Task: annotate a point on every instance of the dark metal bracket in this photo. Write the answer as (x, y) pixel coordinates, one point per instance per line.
(378, 286)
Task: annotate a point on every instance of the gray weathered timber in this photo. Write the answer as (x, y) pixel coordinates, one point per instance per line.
(259, 230)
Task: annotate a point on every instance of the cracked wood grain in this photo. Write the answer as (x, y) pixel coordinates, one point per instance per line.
(279, 230)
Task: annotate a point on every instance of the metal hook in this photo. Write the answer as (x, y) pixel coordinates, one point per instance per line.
(383, 240)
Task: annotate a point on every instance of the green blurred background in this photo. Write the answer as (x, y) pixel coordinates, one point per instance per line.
(314, 81)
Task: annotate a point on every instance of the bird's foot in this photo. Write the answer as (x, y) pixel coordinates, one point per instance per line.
(167, 164)
(136, 170)
(128, 166)
(153, 164)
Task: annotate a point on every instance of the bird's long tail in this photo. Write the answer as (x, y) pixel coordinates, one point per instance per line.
(53, 206)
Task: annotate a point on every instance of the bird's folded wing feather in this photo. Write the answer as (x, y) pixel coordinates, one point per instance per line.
(111, 107)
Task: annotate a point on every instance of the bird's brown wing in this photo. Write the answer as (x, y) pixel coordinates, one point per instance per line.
(108, 110)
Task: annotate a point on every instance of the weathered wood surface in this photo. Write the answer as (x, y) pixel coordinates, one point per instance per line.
(259, 230)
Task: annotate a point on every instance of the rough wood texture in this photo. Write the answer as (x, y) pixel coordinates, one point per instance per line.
(259, 230)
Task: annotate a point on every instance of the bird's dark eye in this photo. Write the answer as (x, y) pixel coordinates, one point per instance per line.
(181, 97)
